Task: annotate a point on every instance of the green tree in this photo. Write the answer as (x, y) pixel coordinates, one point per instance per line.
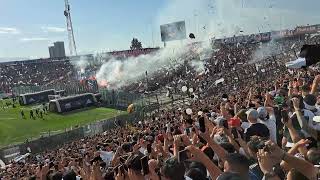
(135, 44)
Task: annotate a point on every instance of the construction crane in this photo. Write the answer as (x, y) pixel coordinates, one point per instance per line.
(72, 43)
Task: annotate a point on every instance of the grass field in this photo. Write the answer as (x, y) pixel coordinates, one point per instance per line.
(15, 129)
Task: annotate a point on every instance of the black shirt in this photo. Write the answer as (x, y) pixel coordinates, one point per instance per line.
(257, 129)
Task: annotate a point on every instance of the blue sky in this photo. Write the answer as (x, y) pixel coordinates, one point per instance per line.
(27, 27)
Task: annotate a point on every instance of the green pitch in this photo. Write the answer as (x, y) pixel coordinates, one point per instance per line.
(15, 129)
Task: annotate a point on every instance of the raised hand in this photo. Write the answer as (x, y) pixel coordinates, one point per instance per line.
(38, 172)
(199, 156)
(205, 135)
(96, 171)
(159, 148)
(196, 152)
(84, 174)
(266, 163)
(209, 124)
(177, 140)
(250, 94)
(120, 175)
(152, 170)
(303, 142)
(296, 103)
(317, 79)
(275, 152)
(214, 131)
(185, 140)
(45, 170)
(290, 84)
(227, 132)
(195, 139)
(287, 122)
(119, 150)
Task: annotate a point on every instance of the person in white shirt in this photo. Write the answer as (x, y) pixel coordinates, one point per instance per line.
(309, 102)
(269, 120)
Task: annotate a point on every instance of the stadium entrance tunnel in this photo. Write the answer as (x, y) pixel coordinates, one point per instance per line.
(71, 103)
(37, 97)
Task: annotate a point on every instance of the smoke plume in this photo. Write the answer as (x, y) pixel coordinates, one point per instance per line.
(206, 19)
(80, 64)
(264, 50)
(119, 73)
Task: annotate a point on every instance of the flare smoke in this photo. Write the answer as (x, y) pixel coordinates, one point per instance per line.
(118, 73)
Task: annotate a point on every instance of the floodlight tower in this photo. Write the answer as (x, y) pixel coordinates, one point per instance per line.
(72, 43)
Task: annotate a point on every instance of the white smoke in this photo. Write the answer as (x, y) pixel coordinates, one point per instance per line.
(198, 66)
(225, 18)
(80, 63)
(206, 19)
(265, 50)
(118, 73)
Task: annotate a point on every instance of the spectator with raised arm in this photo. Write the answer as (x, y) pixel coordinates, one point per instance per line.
(256, 128)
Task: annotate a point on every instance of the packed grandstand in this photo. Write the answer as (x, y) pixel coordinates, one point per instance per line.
(247, 117)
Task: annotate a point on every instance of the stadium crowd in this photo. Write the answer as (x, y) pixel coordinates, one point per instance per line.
(59, 71)
(33, 73)
(260, 122)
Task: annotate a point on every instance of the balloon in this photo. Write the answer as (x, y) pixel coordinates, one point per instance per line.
(189, 111)
(184, 88)
(192, 36)
(130, 108)
(191, 90)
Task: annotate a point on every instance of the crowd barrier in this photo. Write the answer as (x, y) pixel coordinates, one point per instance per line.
(69, 89)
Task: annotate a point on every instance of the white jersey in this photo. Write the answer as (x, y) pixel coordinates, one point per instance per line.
(271, 125)
(308, 115)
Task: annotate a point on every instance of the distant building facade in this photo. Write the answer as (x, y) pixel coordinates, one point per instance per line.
(51, 51)
(57, 50)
